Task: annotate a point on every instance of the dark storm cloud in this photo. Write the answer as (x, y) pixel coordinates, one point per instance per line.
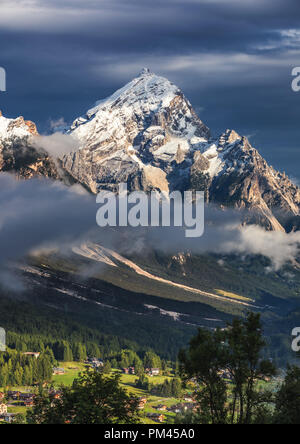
(41, 216)
(39, 213)
(233, 59)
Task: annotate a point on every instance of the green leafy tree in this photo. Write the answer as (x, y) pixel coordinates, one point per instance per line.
(79, 352)
(151, 360)
(4, 375)
(114, 363)
(287, 409)
(106, 369)
(176, 388)
(18, 374)
(19, 419)
(92, 399)
(93, 350)
(67, 354)
(44, 368)
(234, 354)
(186, 418)
(142, 382)
(245, 344)
(203, 362)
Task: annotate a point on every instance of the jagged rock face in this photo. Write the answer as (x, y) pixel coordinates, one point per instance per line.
(178, 263)
(239, 177)
(16, 153)
(148, 123)
(147, 134)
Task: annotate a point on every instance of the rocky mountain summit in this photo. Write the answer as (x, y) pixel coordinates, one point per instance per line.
(234, 174)
(138, 135)
(17, 153)
(148, 135)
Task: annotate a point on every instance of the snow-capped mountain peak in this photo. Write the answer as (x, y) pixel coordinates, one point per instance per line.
(16, 128)
(148, 135)
(147, 93)
(145, 71)
(147, 123)
(18, 153)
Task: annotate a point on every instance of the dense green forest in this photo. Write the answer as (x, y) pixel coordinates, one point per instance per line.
(231, 380)
(32, 328)
(58, 338)
(17, 369)
(43, 318)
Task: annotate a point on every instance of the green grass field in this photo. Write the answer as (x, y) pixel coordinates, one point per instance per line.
(231, 295)
(72, 370)
(128, 382)
(19, 409)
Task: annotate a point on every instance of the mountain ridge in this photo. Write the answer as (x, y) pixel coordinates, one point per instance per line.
(148, 135)
(17, 153)
(123, 135)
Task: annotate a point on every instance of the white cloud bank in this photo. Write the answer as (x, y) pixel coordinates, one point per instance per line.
(40, 214)
(57, 144)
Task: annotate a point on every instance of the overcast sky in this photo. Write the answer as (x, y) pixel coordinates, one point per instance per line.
(232, 58)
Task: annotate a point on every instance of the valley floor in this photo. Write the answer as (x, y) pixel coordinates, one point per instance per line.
(73, 369)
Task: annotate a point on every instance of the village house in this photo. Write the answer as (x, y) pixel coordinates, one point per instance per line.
(95, 361)
(152, 371)
(3, 409)
(97, 364)
(156, 417)
(225, 374)
(161, 418)
(161, 407)
(25, 396)
(142, 403)
(27, 399)
(13, 395)
(58, 371)
(9, 417)
(129, 371)
(29, 402)
(56, 394)
(182, 407)
(174, 409)
(36, 355)
(177, 408)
